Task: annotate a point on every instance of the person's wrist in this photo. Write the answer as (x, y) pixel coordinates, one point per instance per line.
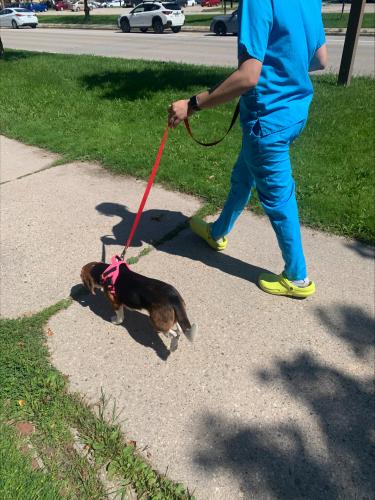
(193, 104)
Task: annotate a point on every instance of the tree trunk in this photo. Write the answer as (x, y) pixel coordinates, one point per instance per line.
(343, 8)
(87, 10)
(1, 49)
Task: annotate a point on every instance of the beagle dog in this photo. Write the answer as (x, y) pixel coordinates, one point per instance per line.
(126, 288)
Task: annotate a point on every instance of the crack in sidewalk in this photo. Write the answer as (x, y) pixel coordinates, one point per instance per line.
(55, 163)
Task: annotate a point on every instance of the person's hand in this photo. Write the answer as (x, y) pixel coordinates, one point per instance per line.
(177, 112)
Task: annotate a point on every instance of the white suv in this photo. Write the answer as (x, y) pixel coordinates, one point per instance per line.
(155, 15)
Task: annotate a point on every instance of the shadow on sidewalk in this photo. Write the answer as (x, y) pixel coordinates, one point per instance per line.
(363, 250)
(152, 226)
(352, 325)
(188, 246)
(286, 461)
(136, 324)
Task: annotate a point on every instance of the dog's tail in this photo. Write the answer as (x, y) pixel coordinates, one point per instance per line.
(182, 319)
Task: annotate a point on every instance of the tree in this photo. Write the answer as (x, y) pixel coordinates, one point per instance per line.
(1, 49)
(351, 41)
(86, 9)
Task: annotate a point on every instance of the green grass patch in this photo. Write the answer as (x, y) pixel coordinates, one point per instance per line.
(331, 20)
(114, 111)
(18, 480)
(28, 377)
(79, 19)
(336, 20)
(198, 20)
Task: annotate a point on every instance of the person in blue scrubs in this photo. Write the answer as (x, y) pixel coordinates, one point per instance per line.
(279, 43)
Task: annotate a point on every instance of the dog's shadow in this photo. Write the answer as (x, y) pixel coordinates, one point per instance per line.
(136, 324)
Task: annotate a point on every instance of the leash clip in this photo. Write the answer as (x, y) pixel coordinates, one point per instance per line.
(122, 255)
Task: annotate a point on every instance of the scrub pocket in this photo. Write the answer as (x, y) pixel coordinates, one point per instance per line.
(286, 135)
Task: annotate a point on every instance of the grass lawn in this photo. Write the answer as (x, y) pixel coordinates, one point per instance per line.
(79, 19)
(335, 20)
(32, 391)
(114, 111)
(330, 20)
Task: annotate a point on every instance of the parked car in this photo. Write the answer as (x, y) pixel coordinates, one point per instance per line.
(115, 3)
(35, 7)
(155, 15)
(17, 17)
(210, 3)
(80, 5)
(63, 5)
(124, 3)
(222, 25)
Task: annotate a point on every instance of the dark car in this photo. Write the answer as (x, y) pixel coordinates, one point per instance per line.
(222, 25)
(36, 7)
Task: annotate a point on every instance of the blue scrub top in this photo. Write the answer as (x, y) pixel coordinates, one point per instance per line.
(284, 35)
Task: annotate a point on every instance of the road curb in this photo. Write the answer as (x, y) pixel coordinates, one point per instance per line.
(186, 29)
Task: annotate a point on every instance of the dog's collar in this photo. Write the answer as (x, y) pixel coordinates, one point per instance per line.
(110, 275)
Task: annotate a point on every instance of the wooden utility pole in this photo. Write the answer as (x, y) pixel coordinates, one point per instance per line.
(351, 41)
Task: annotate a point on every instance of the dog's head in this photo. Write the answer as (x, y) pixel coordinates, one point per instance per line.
(88, 279)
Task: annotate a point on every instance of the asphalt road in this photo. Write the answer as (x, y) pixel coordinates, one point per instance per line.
(195, 48)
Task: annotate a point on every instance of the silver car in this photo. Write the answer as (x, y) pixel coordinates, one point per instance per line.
(222, 25)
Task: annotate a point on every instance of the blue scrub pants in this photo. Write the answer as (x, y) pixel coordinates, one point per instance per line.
(264, 161)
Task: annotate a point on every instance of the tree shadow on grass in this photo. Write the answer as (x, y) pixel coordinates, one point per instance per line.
(281, 461)
(136, 324)
(11, 55)
(158, 77)
(353, 325)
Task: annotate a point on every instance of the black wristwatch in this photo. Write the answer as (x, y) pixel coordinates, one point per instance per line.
(193, 104)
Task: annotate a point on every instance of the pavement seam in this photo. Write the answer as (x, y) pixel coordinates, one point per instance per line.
(55, 163)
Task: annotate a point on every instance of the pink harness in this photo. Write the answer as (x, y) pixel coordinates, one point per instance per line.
(110, 275)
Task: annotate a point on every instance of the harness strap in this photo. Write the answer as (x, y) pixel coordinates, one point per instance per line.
(110, 275)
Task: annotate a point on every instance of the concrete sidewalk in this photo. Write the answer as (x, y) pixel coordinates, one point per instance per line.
(274, 398)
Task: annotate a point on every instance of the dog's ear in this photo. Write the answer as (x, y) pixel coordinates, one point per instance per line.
(87, 279)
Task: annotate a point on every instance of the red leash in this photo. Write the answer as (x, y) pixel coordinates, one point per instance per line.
(147, 192)
(156, 166)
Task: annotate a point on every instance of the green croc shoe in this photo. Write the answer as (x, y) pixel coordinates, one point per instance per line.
(279, 285)
(203, 229)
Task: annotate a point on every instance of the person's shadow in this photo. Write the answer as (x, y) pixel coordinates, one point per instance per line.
(155, 224)
(135, 323)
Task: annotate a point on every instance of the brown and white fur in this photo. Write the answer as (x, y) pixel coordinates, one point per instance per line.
(164, 304)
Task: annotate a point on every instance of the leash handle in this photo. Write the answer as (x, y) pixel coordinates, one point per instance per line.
(214, 143)
(147, 191)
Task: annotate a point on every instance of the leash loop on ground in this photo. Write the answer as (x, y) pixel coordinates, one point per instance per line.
(214, 143)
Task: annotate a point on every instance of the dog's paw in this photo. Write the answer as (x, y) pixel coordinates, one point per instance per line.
(190, 334)
(115, 321)
(174, 344)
